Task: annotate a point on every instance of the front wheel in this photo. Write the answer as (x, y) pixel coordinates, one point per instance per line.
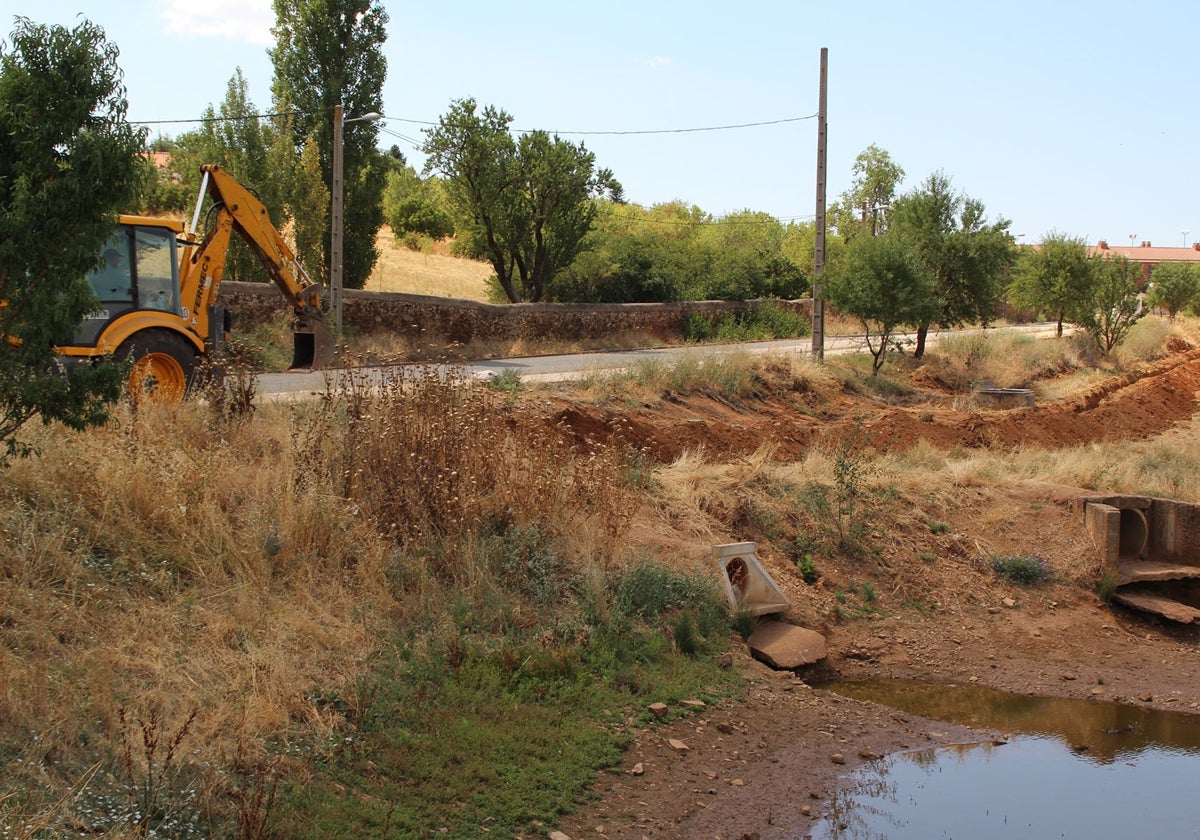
(163, 366)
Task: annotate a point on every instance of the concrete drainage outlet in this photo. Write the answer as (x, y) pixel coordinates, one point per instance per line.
(1135, 533)
(1005, 397)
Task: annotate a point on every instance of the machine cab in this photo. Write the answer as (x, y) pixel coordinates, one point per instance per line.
(139, 272)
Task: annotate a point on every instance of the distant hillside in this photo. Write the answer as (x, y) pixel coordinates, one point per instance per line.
(437, 273)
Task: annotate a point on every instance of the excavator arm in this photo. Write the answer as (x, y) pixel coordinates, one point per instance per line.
(202, 267)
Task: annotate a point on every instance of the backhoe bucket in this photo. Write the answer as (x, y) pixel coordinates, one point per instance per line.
(312, 346)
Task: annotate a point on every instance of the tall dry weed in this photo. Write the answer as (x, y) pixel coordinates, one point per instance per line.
(168, 562)
(975, 359)
(435, 457)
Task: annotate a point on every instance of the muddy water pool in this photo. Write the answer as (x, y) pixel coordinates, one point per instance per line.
(1061, 768)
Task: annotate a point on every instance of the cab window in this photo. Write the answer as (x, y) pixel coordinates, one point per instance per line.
(157, 284)
(112, 280)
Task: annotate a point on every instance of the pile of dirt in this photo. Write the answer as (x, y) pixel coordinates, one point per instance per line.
(765, 767)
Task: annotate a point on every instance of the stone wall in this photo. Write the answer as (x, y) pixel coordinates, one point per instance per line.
(463, 321)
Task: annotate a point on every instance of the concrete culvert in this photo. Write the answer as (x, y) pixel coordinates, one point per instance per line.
(1135, 533)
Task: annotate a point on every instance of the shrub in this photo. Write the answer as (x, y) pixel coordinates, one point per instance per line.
(762, 322)
(1021, 569)
(1106, 587)
(808, 569)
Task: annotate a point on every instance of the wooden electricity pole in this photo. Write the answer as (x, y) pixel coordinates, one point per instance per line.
(818, 313)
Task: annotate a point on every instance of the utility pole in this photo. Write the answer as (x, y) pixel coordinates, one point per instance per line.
(336, 221)
(335, 235)
(818, 313)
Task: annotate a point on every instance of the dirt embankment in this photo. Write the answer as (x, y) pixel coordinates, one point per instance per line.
(766, 767)
(1130, 407)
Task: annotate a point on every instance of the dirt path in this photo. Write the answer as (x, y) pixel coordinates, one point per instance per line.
(766, 767)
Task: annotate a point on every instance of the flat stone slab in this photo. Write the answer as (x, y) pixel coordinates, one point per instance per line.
(1167, 608)
(786, 646)
(1133, 571)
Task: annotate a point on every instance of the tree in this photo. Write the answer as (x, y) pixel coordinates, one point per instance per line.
(414, 206)
(309, 202)
(800, 244)
(235, 138)
(330, 52)
(964, 256)
(862, 208)
(1114, 306)
(69, 162)
(746, 253)
(1054, 277)
(883, 285)
(1173, 287)
(634, 254)
(164, 190)
(526, 204)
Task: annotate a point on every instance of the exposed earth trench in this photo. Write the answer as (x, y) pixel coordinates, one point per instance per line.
(767, 765)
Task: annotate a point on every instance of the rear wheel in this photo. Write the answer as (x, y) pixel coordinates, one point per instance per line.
(163, 366)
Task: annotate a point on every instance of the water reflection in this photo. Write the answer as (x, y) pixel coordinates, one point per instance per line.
(1101, 731)
(1071, 768)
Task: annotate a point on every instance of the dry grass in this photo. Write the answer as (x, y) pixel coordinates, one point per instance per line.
(733, 376)
(433, 273)
(177, 563)
(249, 571)
(1167, 466)
(165, 569)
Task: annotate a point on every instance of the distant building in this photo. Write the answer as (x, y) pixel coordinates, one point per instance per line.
(162, 162)
(1148, 255)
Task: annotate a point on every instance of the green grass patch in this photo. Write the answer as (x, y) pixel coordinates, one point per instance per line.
(495, 735)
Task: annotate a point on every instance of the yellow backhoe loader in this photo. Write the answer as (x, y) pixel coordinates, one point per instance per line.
(158, 288)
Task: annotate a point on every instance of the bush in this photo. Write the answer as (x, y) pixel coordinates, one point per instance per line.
(1021, 569)
(762, 322)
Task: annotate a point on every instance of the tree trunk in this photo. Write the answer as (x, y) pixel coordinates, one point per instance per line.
(922, 332)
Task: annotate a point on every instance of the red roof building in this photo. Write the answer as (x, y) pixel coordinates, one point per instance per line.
(1148, 255)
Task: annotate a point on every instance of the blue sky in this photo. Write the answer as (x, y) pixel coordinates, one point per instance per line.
(1072, 116)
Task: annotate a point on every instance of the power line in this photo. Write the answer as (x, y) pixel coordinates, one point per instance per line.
(416, 143)
(222, 119)
(723, 221)
(649, 131)
(688, 130)
(614, 133)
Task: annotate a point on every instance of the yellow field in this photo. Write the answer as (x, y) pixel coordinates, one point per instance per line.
(437, 273)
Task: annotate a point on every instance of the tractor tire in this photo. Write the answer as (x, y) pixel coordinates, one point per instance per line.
(164, 365)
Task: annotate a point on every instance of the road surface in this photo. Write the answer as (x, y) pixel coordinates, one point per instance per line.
(578, 365)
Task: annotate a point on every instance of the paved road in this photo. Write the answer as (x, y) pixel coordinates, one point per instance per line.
(577, 365)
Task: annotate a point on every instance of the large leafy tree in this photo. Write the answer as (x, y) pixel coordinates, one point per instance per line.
(864, 207)
(1114, 306)
(412, 206)
(800, 243)
(1055, 277)
(525, 204)
(69, 162)
(635, 254)
(883, 285)
(236, 138)
(330, 52)
(747, 256)
(964, 255)
(1174, 287)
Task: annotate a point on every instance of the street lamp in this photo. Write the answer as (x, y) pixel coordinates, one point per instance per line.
(1132, 237)
(335, 236)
